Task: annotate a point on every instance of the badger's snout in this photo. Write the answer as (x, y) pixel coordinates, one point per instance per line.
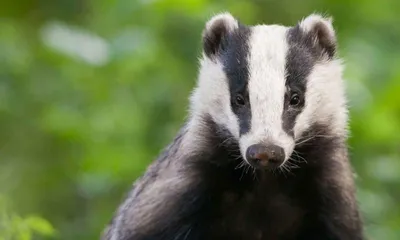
(265, 156)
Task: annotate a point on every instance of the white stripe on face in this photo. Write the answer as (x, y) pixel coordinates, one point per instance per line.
(267, 58)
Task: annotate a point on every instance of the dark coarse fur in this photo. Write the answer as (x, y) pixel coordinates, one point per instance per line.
(226, 202)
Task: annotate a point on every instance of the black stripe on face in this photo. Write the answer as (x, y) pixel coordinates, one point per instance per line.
(234, 58)
(300, 60)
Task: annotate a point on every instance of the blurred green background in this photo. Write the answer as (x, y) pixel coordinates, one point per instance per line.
(92, 90)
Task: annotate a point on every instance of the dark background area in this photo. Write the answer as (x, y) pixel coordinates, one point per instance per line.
(92, 90)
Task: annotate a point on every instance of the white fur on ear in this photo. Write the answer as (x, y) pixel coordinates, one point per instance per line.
(215, 30)
(321, 30)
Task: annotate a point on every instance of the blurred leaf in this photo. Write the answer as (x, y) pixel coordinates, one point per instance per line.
(39, 225)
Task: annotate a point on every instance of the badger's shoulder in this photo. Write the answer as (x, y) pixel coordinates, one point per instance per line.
(166, 185)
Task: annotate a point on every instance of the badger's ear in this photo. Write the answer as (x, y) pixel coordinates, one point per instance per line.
(215, 32)
(321, 31)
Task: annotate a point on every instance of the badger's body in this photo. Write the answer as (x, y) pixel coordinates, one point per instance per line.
(263, 154)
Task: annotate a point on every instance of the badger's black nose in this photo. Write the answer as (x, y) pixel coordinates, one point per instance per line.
(265, 156)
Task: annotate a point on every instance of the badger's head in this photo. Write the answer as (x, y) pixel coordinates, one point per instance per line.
(269, 84)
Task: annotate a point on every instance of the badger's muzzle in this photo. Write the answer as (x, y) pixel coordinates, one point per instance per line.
(265, 156)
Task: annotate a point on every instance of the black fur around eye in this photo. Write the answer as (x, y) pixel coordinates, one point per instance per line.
(239, 100)
(294, 100)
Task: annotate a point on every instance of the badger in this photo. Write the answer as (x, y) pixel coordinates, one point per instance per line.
(263, 153)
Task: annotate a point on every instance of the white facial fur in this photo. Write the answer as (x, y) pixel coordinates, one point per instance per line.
(325, 98)
(268, 49)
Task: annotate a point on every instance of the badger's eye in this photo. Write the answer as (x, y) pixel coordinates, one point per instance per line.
(239, 100)
(294, 100)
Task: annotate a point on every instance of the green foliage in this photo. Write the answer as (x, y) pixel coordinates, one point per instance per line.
(15, 227)
(91, 90)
